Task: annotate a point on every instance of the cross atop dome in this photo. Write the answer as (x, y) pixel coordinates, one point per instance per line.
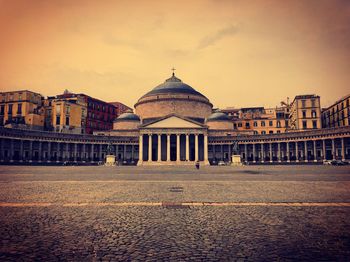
(173, 69)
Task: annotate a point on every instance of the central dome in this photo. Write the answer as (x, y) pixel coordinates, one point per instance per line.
(173, 85)
(173, 97)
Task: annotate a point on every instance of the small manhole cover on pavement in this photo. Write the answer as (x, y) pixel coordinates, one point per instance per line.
(176, 189)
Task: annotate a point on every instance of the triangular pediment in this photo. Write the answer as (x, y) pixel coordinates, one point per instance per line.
(173, 122)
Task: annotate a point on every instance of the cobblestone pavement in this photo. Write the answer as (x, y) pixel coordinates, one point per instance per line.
(261, 213)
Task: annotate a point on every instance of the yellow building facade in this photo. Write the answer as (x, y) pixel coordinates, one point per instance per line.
(22, 108)
(305, 113)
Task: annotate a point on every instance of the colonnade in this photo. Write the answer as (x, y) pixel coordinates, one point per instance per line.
(14, 150)
(172, 147)
(297, 151)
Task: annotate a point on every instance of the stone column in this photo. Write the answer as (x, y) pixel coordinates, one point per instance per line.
(92, 153)
(31, 150)
(11, 150)
(40, 151)
(149, 147)
(21, 153)
(177, 147)
(315, 151)
(262, 160)
(75, 151)
(117, 151)
(305, 151)
(132, 152)
(279, 152)
(48, 151)
(196, 147)
(270, 145)
(140, 149)
(83, 156)
(342, 149)
(230, 152)
(214, 153)
(159, 156)
(67, 151)
(124, 152)
(296, 152)
(222, 152)
(254, 159)
(58, 146)
(288, 152)
(187, 147)
(206, 149)
(168, 148)
(100, 152)
(246, 152)
(333, 149)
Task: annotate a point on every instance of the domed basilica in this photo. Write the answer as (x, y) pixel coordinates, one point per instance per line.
(173, 122)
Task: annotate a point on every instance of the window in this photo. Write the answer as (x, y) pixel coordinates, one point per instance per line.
(304, 113)
(286, 123)
(58, 109)
(255, 124)
(270, 132)
(262, 123)
(67, 110)
(19, 109)
(67, 121)
(255, 132)
(2, 110)
(313, 104)
(239, 124)
(10, 109)
(278, 124)
(304, 124)
(247, 125)
(313, 113)
(263, 132)
(278, 131)
(314, 123)
(270, 123)
(20, 97)
(58, 120)
(303, 103)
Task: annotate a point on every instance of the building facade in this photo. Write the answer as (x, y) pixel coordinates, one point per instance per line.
(305, 113)
(174, 124)
(338, 114)
(23, 109)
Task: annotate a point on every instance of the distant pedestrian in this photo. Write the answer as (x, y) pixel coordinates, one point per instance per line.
(197, 164)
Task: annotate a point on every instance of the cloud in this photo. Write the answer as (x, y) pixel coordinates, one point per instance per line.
(217, 36)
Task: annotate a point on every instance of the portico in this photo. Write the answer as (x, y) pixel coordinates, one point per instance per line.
(173, 140)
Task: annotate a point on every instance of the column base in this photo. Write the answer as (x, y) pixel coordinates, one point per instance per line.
(315, 160)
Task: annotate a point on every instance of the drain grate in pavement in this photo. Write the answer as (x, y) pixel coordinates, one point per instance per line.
(176, 189)
(171, 205)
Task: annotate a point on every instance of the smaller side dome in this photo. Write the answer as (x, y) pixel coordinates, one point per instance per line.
(218, 116)
(127, 117)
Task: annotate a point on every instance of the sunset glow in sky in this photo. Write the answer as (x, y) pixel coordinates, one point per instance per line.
(237, 52)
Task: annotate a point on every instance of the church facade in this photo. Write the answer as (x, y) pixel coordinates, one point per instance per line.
(174, 124)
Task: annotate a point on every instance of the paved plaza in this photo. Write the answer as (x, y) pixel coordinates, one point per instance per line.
(250, 213)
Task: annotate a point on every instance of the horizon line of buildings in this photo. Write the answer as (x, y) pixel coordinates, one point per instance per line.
(83, 114)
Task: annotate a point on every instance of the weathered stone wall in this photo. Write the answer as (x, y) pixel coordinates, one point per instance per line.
(187, 107)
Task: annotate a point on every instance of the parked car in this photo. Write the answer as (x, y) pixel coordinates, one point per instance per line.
(221, 163)
(339, 163)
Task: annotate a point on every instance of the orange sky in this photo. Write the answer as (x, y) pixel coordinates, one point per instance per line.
(237, 52)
